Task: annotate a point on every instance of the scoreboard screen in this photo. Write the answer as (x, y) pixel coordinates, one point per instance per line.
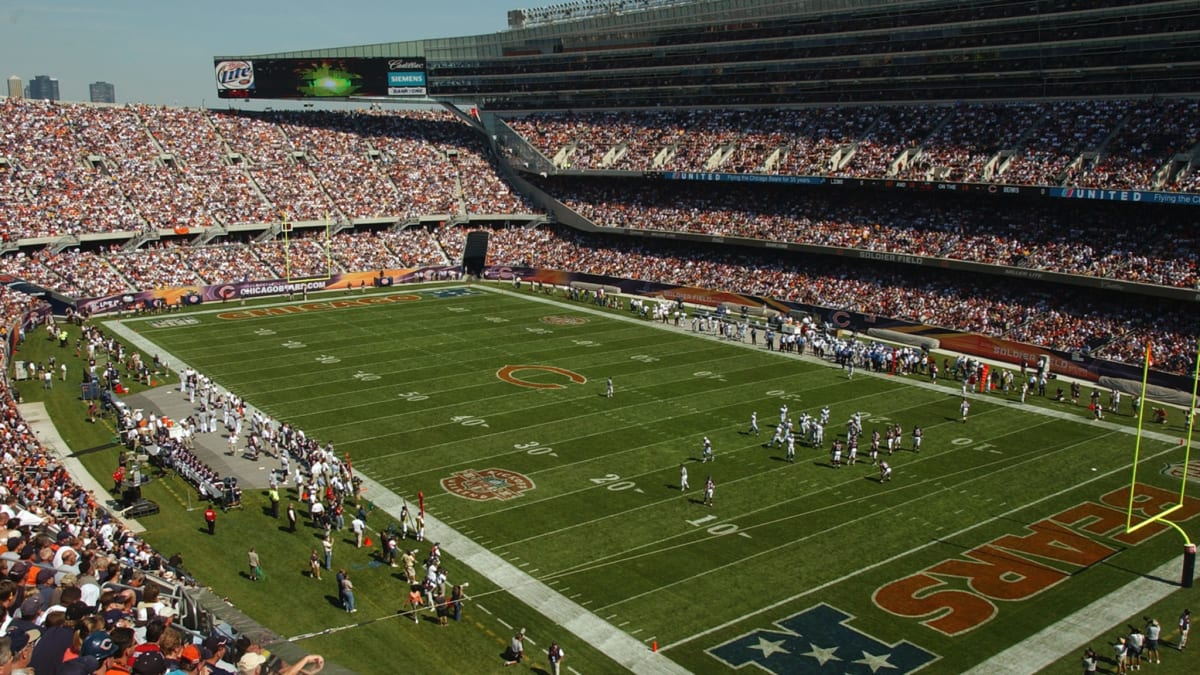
(320, 77)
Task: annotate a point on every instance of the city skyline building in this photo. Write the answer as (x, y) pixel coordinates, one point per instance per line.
(16, 89)
(102, 92)
(43, 87)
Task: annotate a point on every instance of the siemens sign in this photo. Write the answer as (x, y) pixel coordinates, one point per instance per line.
(406, 77)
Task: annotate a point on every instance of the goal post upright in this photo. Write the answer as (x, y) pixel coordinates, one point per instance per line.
(1189, 548)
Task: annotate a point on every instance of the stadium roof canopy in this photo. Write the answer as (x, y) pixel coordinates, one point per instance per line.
(646, 53)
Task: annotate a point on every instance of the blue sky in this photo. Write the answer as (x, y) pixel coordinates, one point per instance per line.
(160, 51)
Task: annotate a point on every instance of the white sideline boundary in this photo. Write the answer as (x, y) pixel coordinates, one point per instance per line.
(1042, 649)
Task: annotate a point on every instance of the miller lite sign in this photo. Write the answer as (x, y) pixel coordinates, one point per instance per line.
(235, 75)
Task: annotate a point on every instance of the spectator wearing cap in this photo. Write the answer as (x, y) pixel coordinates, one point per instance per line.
(29, 613)
(101, 646)
(250, 663)
(149, 663)
(45, 586)
(21, 644)
(191, 660)
(216, 647)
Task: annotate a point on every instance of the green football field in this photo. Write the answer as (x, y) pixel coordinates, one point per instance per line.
(493, 405)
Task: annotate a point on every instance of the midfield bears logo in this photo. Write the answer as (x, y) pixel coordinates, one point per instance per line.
(818, 641)
(487, 484)
(509, 375)
(1176, 470)
(564, 320)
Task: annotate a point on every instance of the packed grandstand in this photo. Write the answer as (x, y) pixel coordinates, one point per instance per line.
(104, 200)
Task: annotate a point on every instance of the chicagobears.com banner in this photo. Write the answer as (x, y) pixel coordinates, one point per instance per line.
(245, 290)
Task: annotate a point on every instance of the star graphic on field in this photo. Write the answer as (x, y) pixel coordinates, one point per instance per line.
(768, 648)
(821, 654)
(875, 662)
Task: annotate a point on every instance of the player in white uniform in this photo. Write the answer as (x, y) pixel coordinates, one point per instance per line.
(608, 388)
(753, 424)
(874, 446)
(965, 407)
(707, 453)
(783, 413)
(791, 448)
(917, 435)
(885, 472)
(891, 439)
(818, 435)
(825, 415)
(683, 484)
(778, 438)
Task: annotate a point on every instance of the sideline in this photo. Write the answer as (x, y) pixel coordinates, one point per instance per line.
(618, 645)
(47, 434)
(1042, 649)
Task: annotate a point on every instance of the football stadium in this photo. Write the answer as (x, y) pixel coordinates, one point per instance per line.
(652, 336)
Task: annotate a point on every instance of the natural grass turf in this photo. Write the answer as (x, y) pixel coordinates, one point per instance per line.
(606, 519)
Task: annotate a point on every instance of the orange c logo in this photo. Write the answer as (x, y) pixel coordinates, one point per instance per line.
(506, 374)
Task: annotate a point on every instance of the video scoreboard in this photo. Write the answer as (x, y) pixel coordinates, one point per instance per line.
(320, 77)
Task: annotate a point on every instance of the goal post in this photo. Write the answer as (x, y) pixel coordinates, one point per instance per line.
(1189, 548)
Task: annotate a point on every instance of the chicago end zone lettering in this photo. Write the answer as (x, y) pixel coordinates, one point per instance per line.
(315, 307)
(1017, 567)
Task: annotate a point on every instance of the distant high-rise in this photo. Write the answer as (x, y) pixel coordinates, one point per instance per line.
(15, 88)
(44, 88)
(102, 92)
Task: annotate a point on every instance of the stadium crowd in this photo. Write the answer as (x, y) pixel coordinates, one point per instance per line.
(1118, 144)
(1100, 245)
(73, 169)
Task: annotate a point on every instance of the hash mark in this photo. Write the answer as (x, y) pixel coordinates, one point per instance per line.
(504, 623)
(485, 609)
